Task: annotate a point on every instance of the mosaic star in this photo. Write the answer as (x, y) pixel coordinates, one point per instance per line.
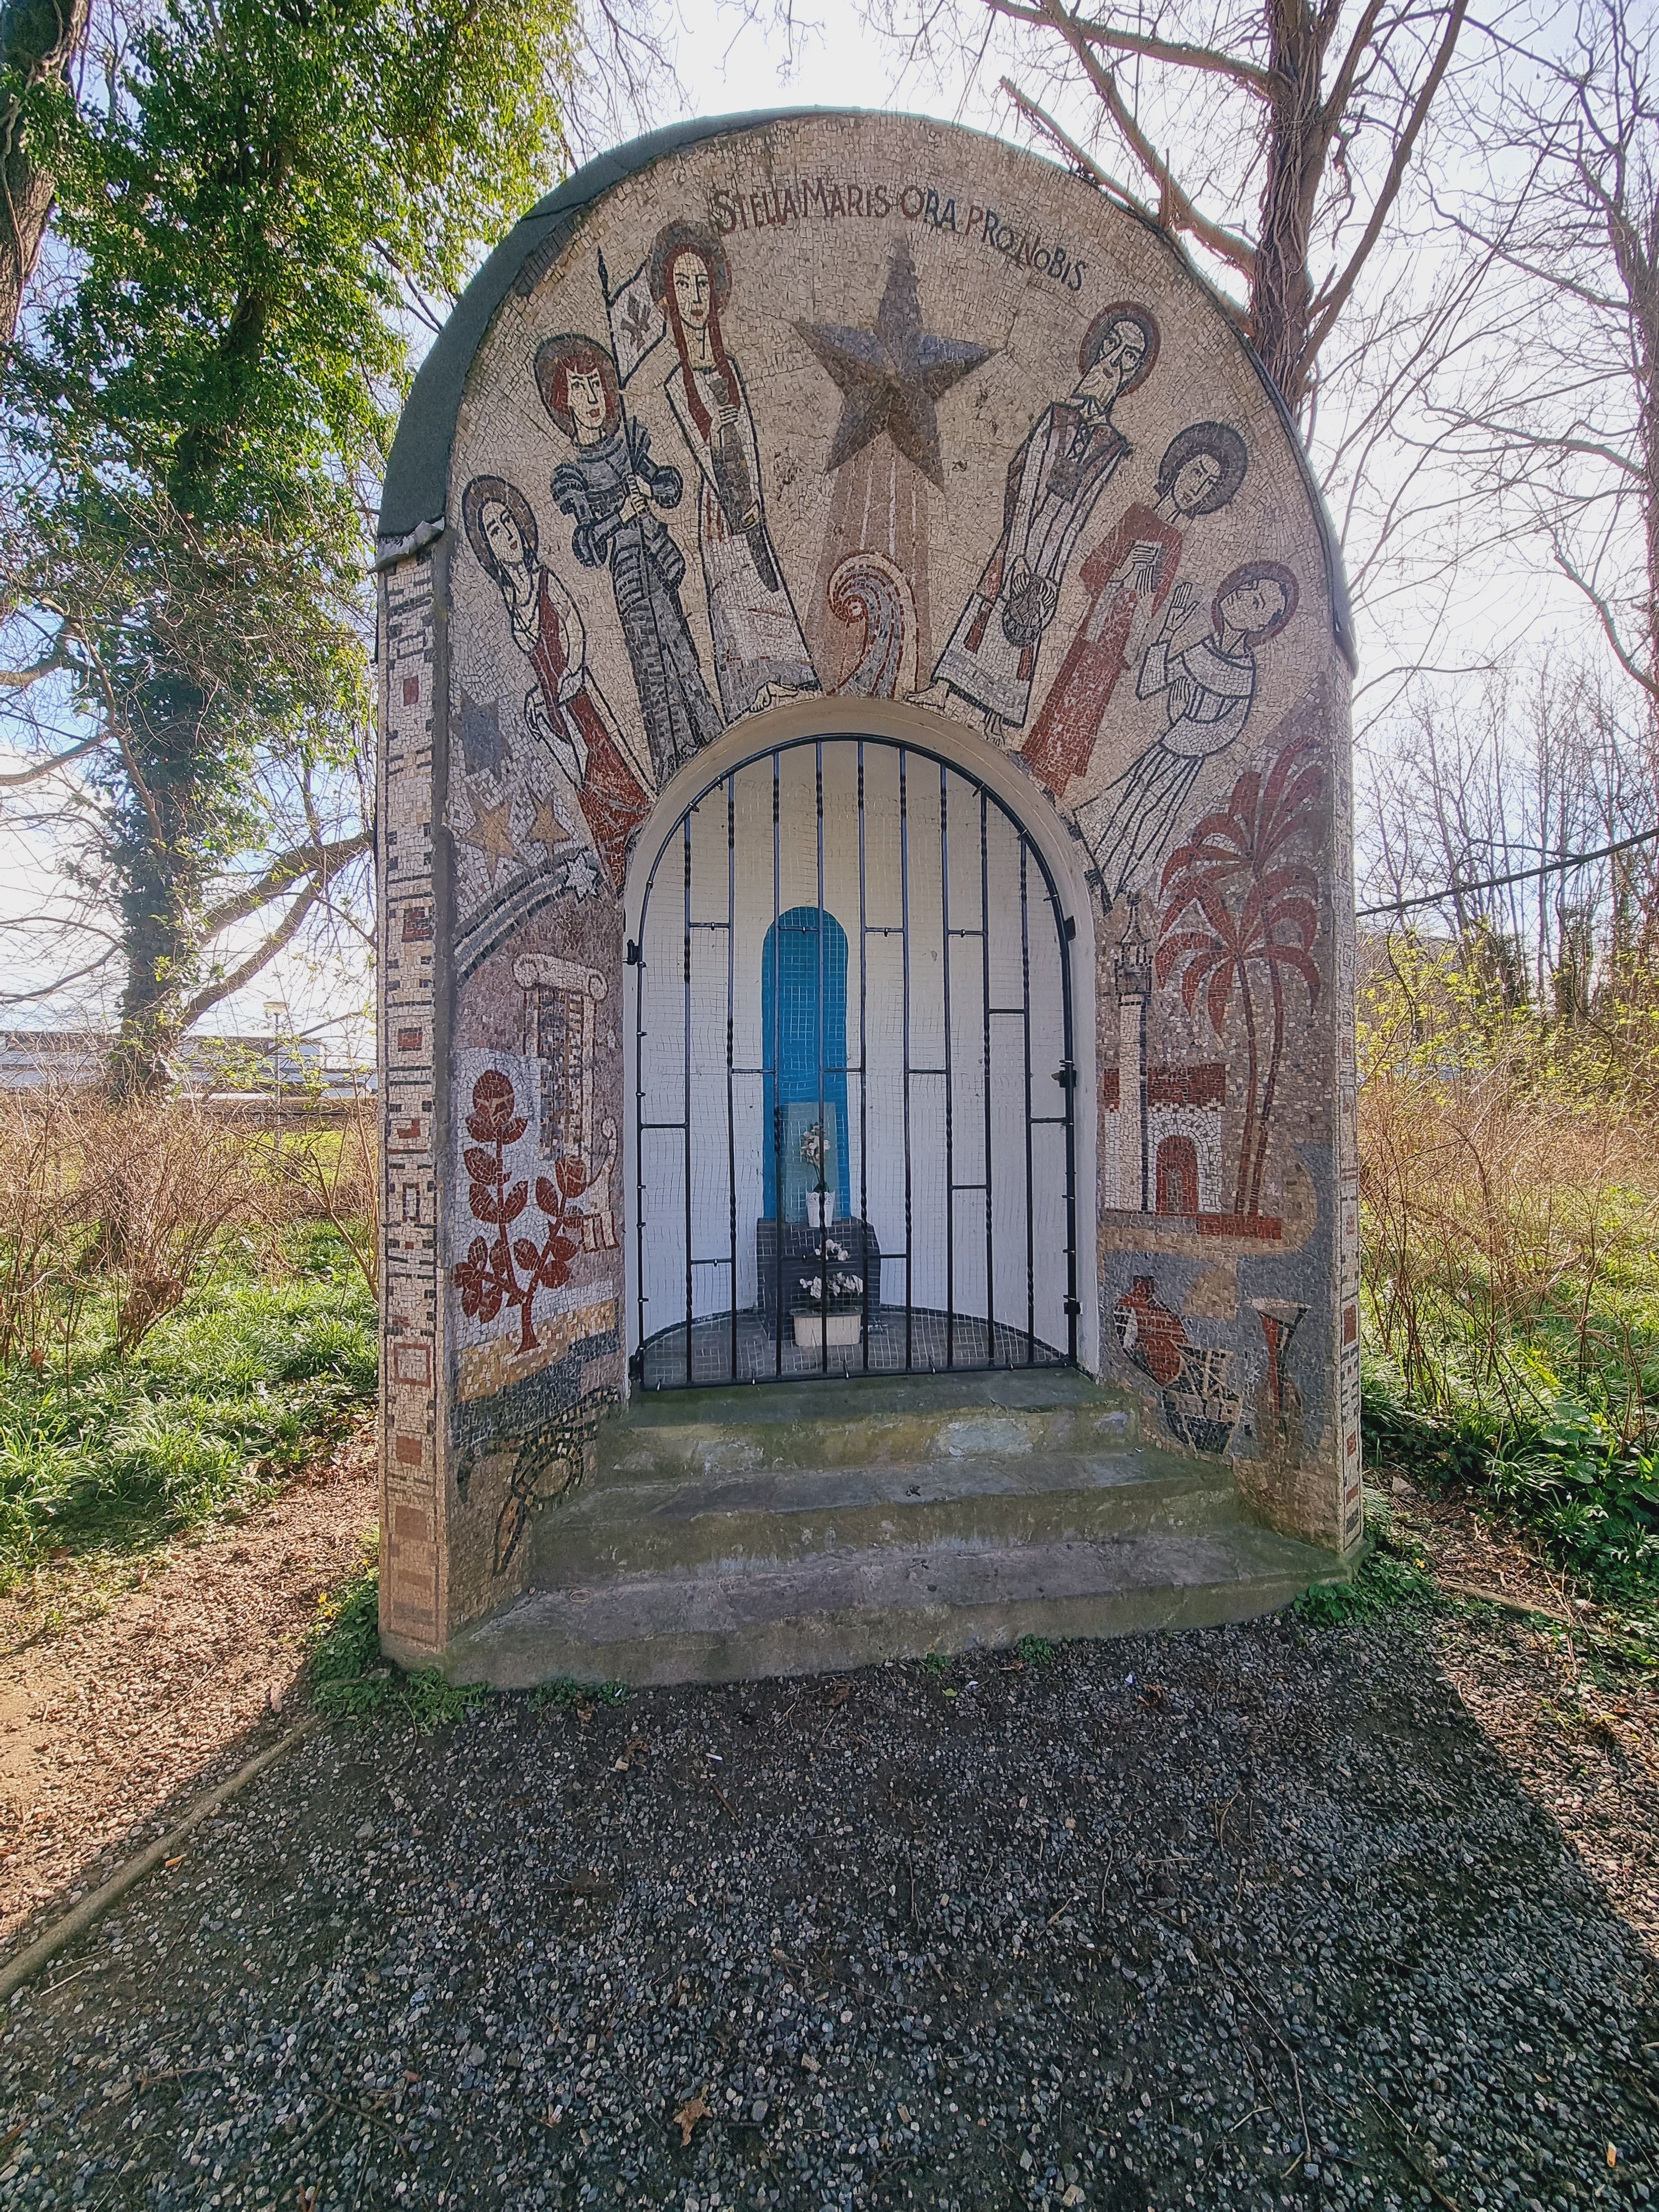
(889, 378)
(547, 829)
(491, 836)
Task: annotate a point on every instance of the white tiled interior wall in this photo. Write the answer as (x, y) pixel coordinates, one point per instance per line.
(742, 864)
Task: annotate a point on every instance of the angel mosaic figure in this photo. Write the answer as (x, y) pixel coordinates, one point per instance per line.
(611, 491)
(566, 708)
(1128, 576)
(760, 654)
(1071, 455)
(1208, 690)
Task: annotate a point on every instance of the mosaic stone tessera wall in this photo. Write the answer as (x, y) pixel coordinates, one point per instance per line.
(853, 423)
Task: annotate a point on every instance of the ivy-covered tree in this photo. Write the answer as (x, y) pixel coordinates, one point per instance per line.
(250, 227)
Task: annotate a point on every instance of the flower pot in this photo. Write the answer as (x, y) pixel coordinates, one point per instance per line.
(813, 1329)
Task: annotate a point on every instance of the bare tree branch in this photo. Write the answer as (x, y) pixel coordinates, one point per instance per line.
(1238, 71)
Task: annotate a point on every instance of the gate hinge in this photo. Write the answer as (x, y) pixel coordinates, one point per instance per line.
(1070, 921)
(1073, 1307)
(1066, 1075)
(631, 958)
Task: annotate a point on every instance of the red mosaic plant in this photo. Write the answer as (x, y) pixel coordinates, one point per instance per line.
(1240, 917)
(502, 1269)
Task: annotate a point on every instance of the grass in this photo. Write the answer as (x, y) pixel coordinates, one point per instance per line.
(249, 1376)
(1509, 1240)
(1393, 1577)
(350, 1679)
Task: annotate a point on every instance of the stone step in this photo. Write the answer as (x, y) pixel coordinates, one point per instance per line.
(849, 1609)
(635, 1524)
(865, 1421)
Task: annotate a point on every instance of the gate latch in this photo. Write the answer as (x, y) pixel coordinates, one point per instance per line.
(1066, 1075)
(631, 958)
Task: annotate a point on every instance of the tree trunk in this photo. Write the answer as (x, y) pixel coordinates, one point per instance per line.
(39, 40)
(1281, 291)
(162, 847)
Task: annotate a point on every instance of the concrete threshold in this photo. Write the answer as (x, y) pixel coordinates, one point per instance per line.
(779, 1529)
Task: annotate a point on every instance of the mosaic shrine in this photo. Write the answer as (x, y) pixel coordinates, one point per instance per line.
(908, 511)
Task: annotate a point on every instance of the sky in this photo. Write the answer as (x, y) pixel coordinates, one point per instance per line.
(727, 65)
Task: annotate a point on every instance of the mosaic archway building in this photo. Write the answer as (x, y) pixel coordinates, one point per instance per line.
(866, 911)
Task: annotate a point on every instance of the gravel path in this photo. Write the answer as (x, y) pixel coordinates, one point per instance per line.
(126, 1689)
(1256, 1918)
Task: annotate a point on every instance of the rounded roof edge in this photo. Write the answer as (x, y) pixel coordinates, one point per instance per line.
(414, 494)
(417, 483)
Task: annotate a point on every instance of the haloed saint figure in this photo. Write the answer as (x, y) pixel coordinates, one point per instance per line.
(565, 709)
(1208, 690)
(1128, 576)
(1072, 452)
(612, 491)
(760, 654)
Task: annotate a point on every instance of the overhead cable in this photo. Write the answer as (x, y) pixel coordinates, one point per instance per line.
(1520, 876)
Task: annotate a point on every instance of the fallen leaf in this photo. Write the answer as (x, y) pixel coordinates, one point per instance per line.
(838, 1694)
(173, 1862)
(693, 2110)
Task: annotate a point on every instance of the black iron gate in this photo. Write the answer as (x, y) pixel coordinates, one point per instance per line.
(855, 1150)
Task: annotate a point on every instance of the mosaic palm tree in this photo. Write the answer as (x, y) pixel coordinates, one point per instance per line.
(1239, 919)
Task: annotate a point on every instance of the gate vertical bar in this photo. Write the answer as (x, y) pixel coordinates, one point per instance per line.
(770, 1046)
(639, 1133)
(686, 1101)
(905, 947)
(1031, 1164)
(731, 1056)
(864, 1072)
(824, 1104)
(985, 1005)
(950, 1079)
(1063, 939)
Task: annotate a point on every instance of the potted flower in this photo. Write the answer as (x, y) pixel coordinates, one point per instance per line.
(832, 1299)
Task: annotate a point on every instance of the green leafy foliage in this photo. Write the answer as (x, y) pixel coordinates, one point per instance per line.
(250, 220)
(1595, 1499)
(238, 1387)
(1393, 1576)
(349, 1680)
(1035, 1651)
(1510, 1264)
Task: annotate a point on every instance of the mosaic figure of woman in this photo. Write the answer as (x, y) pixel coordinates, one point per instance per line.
(612, 491)
(1208, 690)
(1128, 576)
(760, 653)
(566, 708)
(1071, 454)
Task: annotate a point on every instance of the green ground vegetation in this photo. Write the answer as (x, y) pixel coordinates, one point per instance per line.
(1510, 1186)
(269, 1357)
